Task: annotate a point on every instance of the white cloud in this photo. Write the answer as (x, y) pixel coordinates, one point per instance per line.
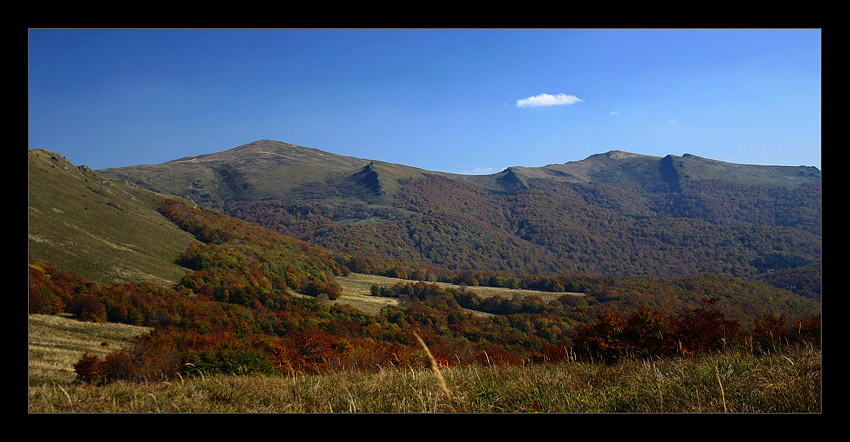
(673, 121)
(547, 100)
(479, 171)
(614, 113)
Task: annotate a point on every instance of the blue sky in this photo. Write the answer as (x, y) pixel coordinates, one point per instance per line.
(453, 100)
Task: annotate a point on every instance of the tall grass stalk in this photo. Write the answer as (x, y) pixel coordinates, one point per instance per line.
(434, 366)
(722, 393)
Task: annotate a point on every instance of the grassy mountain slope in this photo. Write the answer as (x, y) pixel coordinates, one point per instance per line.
(269, 170)
(106, 231)
(618, 166)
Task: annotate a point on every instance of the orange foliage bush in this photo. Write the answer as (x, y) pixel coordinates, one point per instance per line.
(771, 332)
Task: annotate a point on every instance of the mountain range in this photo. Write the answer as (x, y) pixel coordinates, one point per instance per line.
(611, 214)
(267, 169)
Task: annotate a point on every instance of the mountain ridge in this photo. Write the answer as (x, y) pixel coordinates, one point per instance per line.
(271, 169)
(315, 168)
(615, 165)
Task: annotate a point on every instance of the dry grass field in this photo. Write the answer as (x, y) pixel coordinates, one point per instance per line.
(56, 343)
(788, 382)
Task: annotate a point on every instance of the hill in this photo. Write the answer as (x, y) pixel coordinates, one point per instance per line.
(104, 230)
(269, 170)
(611, 214)
(658, 174)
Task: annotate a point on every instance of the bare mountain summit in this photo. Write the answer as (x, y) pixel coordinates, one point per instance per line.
(268, 170)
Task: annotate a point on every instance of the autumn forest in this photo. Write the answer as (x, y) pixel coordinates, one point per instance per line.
(232, 313)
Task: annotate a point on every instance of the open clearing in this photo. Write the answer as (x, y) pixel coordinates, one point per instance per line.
(356, 291)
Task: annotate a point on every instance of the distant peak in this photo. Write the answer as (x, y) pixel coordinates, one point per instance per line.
(511, 180)
(619, 155)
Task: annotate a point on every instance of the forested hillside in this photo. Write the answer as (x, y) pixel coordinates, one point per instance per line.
(612, 214)
(552, 228)
(252, 303)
